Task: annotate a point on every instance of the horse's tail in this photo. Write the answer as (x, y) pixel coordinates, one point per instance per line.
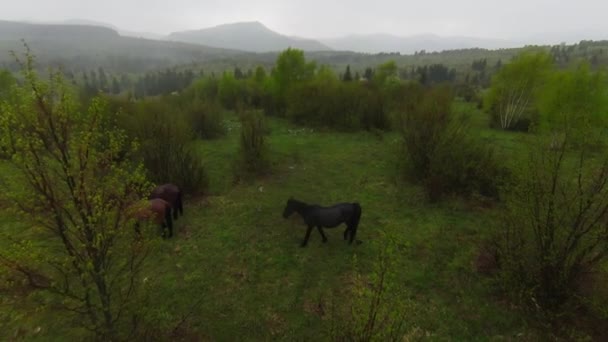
(354, 221)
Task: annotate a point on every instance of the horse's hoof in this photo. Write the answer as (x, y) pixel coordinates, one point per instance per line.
(302, 245)
(325, 241)
(359, 242)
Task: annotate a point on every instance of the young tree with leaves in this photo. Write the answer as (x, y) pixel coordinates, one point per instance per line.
(512, 94)
(556, 225)
(73, 187)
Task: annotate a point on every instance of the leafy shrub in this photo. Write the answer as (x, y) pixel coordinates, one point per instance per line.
(205, 118)
(252, 158)
(554, 231)
(345, 106)
(232, 93)
(375, 309)
(555, 226)
(166, 145)
(442, 154)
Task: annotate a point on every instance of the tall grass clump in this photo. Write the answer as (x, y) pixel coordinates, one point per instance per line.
(252, 159)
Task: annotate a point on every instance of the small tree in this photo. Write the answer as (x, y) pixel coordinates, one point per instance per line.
(347, 75)
(73, 190)
(375, 309)
(291, 69)
(512, 95)
(556, 227)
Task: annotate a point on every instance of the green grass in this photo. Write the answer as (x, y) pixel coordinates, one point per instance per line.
(234, 250)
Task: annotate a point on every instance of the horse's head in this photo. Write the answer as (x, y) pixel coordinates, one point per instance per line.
(289, 208)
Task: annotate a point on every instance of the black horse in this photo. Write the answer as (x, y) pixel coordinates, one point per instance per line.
(326, 217)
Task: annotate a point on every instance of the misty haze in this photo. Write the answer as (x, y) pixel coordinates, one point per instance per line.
(288, 170)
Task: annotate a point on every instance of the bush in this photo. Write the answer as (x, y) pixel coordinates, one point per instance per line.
(442, 154)
(375, 308)
(555, 227)
(252, 159)
(338, 105)
(166, 146)
(554, 230)
(205, 118)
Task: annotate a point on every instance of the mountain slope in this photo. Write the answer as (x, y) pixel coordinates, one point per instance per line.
(377, 43)
(127, 33)
(247, 36)
(82, 46)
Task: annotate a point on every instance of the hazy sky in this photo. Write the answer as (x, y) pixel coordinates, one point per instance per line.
(328, 18)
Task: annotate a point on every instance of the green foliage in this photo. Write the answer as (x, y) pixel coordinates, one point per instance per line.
(260, 74)
(205, 118)
(376, 308)
(344, 106)
(166, 144)
(386, 72)
(554, 230)
(231, 91)
(290, 69)
(6, 82)
(512, 98)
(348, 77)
(555, 226)
(435, 137)
(206, 88)
(72, 191)
(253, 152)
(575, 99)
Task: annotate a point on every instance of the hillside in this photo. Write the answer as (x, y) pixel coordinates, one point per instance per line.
(84, 46)
(247, 36)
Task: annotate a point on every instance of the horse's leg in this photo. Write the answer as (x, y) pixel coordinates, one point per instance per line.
(322, 234)
(346, 232)
(174, 209)
(164, 232)
(307, 236)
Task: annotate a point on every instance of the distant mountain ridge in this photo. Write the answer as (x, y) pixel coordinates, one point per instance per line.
(79, 46)
(86, 22)
(254, 36)
(10, 30)
(247, 36)
(381, 42)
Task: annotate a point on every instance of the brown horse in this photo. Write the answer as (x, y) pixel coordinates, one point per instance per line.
(172, 194)
(156, 210)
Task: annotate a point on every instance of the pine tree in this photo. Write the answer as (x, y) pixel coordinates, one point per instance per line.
(347, 75)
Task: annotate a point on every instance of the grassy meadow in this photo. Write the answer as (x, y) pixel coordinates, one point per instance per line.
(235, 270)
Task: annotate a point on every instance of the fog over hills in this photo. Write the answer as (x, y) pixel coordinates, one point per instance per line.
(375, 43)
(254, 36)
(81, 46)
(77, 21)
(247, 36)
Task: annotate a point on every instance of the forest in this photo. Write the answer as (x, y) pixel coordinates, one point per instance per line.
(482, 178)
